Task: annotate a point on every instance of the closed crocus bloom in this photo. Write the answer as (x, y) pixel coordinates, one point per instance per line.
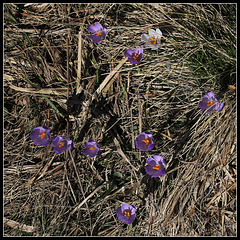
(153, 39)
(99, 32)
(134, 56)
(209, 102)
(126, 213)
(91, 149)
(145, 141)
(40, 135)
(156, 166)
(61, 144)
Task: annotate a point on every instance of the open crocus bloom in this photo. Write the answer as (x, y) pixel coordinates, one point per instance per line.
(145, 141)
(156, 166)
(99, 32)
(40, 135)
(134, 56)
(153, 39)
(209, 102)
(91, 149)
(61, 144)
(126, 213)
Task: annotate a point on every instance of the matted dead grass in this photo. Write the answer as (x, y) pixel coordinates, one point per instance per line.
(57, 77)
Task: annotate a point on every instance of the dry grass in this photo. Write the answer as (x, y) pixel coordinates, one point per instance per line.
(47, 61)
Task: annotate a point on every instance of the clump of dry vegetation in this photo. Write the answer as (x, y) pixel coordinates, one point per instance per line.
(55, 76)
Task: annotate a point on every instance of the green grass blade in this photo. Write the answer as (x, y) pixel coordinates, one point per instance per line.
(52, 105)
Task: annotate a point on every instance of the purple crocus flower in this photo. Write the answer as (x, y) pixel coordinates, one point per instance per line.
(61, 144)
(135, 56)
(156, 166)
(40, 135)
(91, 149)
(145, 141)
(99, 32)
(210, 102)
(126, 213)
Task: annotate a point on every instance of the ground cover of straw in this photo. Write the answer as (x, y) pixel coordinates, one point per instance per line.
(56, 77)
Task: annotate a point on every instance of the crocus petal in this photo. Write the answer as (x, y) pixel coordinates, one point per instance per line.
(151, 146)
(95, 27)
(133, 61)
(150, 171)
(124, 207)
(128, 53)
(158, 31)
(204, 102)
(162, 171)
(142, 136)
(152, 32)
(156, 174)
(133, 209)
(141, 145)
(209, 95)
(34, 135)
(163, 165)
(158, 158)
(119, 212)
(148, 134)
(139, 50)
(122, 218)
(152, 45)
(55, 140)
(59, 150)
(70, 144)
(92, 28)
(151, 162)
(210, 109)
(89, 144)
(94, 152)
(99, 26)
(105, 30)
(144, 37)
(86, 151)
(130, 219)
(219, 106)
(95, 38)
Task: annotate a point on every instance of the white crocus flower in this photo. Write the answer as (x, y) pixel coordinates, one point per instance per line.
(153, 39)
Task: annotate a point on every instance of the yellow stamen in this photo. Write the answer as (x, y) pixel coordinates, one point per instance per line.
(146, 141)
(61, 144)
(92, 148)
(98, 33)
(42, 135)
(135, 56)
(154, 40)
(210, 103)
(157, 167)
(126, 214)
